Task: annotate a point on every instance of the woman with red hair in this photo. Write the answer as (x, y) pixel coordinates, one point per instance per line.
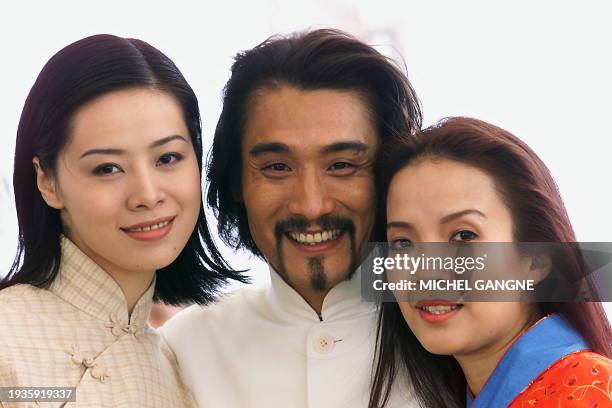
(466, 181)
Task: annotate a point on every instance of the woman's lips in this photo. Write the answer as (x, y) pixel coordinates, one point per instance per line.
(437, 311)
(160, 230)
(149, 223)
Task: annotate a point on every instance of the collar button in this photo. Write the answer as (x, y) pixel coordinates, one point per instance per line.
(323, 344)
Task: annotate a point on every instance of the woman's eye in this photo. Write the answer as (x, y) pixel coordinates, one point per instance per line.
(464, 235)
(170, 158)
(400, 244)
(105, 169)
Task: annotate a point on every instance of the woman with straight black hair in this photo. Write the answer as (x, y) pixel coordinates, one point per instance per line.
(107, 187)
(462, 181)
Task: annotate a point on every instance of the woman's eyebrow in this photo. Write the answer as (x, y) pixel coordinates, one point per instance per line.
(399, 224)
(166, 139)
(450, 217)
(445, 219)
(101, 151)
(156, 143)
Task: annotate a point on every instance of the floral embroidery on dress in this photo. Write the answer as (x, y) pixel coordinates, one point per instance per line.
(580, 379)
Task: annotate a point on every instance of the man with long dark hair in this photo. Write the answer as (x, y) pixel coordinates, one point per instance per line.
(291, 181)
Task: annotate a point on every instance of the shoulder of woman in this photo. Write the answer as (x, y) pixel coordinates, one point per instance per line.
(24, 294)
(599, 363)
(24, 307)
(580, 379)
(586, 361)
(18, 294)
(13, 313)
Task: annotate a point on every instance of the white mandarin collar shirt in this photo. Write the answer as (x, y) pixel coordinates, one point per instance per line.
(267, 347)
(343, 300)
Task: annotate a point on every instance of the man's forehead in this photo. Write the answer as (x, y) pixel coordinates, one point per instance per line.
(281, 94)
(290, 120)
(286, 105)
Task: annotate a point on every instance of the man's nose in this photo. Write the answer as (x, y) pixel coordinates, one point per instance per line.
(146, 191)
(310, 197)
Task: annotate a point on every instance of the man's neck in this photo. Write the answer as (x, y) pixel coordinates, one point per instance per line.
(314, 298)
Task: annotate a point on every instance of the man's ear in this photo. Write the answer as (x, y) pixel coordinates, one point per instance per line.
(541, 265)
(46, 186)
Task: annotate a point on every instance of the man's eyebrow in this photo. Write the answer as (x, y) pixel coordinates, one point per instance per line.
(355, 146)
(277, 147)
(156, 143)
(263, 148)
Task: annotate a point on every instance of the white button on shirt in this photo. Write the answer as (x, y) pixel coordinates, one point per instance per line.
(268, 348)
(323, 343)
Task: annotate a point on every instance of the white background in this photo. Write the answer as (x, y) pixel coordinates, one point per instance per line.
(541, 69)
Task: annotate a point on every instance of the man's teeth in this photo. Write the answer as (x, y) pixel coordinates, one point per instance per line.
(439, 309)
(313, 239)
(149, 228)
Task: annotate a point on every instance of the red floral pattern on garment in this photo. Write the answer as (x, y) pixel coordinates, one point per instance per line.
(580, 379)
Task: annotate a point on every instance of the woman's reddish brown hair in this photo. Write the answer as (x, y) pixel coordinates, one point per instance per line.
(539, 215)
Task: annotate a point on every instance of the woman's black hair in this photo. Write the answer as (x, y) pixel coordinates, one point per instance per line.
(319, 59)
(78, 73)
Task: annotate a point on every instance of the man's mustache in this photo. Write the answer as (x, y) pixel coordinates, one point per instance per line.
(300, 223)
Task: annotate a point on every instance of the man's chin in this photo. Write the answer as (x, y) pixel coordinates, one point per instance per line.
(320, 282)
(318, 271)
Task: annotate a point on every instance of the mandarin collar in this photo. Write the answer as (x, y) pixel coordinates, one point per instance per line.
(342, 301)
(533, 351)
(85, 285)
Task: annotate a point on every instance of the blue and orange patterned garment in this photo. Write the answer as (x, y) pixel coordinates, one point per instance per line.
(549, 365)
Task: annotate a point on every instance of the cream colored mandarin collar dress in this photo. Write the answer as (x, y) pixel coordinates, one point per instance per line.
(77, 334)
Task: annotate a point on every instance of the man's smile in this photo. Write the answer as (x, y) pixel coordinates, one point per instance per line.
(311, 242)
(314, 238)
